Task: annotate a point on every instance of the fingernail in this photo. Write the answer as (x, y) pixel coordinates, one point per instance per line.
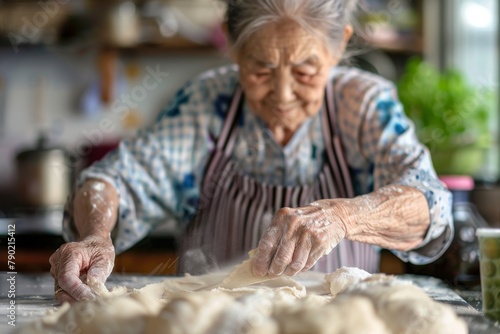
(258, 273)
(273, 273)
(87, 299)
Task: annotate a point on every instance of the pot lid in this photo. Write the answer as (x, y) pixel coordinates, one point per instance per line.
(41, 150)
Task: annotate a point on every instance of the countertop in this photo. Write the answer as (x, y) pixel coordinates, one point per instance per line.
(34, 296)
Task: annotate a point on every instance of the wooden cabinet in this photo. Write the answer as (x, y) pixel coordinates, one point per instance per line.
(390, 264)
(146, 262)
(131, 262)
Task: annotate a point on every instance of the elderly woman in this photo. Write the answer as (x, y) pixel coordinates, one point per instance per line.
(313, 164)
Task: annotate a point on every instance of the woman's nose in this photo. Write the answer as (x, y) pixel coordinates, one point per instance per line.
(284, 89)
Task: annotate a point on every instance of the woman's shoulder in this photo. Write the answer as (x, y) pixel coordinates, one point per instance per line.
(357, 83)
(205, 94)
(216, 81)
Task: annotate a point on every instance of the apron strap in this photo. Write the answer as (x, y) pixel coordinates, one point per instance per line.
(334, 146)
(231, 119)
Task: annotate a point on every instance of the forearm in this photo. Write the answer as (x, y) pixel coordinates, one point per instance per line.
(95, 209)
(395, 217)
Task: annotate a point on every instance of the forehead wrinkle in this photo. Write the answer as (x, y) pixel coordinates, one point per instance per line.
(311, 60)
(288, 55)
(283, 44)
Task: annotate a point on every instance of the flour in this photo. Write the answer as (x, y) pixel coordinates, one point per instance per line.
(98, 186)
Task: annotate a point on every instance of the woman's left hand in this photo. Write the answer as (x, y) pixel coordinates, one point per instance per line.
(298, 238)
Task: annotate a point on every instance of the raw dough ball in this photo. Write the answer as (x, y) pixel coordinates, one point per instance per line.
(344, 277)
(123, 314)
(250, 314)
(189, 313)
(346, 315)
(407, 309)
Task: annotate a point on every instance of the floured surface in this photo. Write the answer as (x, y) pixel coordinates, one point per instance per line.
(208, 304)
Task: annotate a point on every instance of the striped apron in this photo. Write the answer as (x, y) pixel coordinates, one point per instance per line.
(235, 209)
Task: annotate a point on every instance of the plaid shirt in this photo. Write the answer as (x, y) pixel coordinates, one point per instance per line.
(158, 174)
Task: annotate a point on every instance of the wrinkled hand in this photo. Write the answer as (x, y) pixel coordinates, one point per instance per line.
(92, 257)
(298, 238)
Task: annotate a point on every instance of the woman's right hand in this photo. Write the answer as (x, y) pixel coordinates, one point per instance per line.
(92, 257)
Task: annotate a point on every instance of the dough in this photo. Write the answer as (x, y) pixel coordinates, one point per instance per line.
(242, 316)
(121, 314)
(100, 290)
(189, 313)
(243, 275)
(346, 315)
(240, 302)
(171, 287)
(344, 277)
(407, 309)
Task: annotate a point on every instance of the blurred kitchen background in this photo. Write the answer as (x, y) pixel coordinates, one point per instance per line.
(72, 84)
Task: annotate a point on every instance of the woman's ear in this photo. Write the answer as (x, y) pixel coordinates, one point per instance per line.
(338, 54)
(348, 30)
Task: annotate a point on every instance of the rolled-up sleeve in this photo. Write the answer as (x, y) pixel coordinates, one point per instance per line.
(383, 149)
(157, 174)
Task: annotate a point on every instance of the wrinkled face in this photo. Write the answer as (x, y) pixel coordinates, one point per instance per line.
(283, 72)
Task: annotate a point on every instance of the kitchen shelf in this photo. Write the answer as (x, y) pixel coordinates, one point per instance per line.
(155, 49)
(143, 48)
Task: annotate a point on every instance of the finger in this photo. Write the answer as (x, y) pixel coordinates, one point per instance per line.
(52, 258)
(57, 288)
(300, 256)
(283, 257)
(63, 297)
(315, 254)
(69, 281)
(60, 295)
(100, 270)
(53, 271)
(53, 264)
(266, 250)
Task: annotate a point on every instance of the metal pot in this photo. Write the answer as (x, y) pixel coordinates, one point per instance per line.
(43, 176)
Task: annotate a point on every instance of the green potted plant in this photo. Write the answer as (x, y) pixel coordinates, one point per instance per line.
(451, 116)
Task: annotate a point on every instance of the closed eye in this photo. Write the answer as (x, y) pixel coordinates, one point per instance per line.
(303, 75)
(304, 72)
(262, 74)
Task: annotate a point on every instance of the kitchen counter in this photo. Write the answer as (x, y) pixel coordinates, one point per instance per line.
(34, 296)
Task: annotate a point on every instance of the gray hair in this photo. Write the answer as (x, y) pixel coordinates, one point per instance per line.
(325, 18)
